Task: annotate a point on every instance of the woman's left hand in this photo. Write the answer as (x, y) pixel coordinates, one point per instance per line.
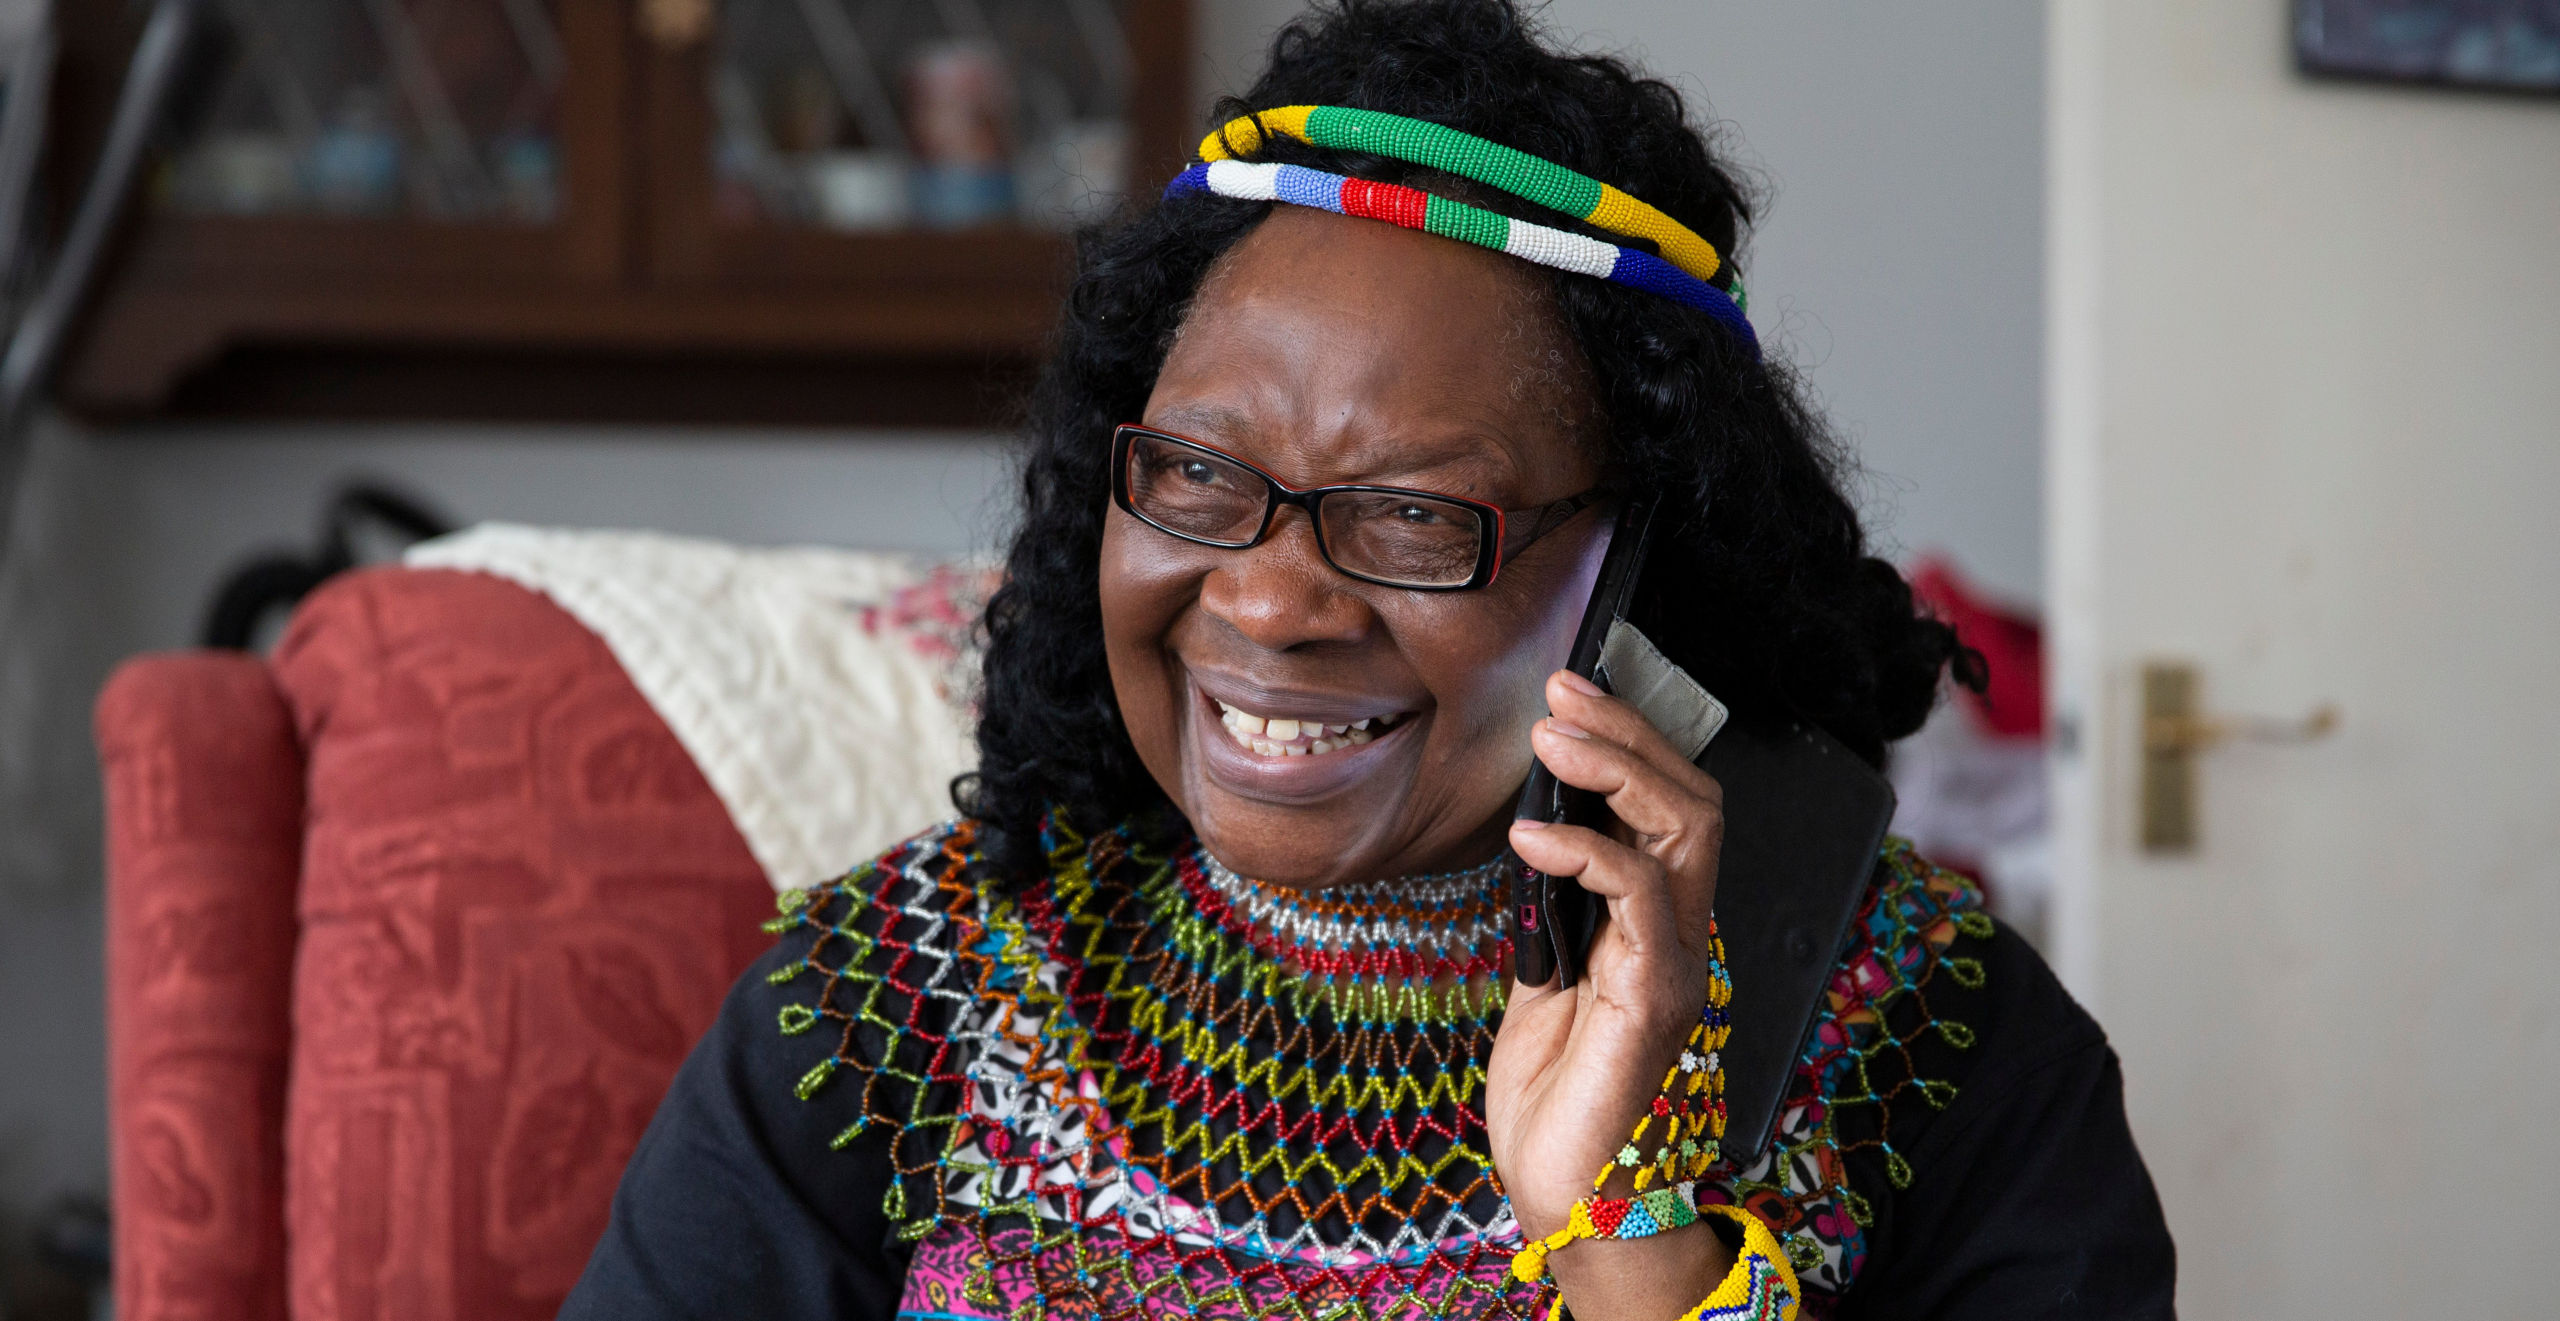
(1573, 1070)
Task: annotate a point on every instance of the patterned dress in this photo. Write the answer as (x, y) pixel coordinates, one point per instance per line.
(1108, 1099)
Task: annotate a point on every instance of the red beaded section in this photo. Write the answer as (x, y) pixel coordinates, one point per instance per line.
(1393, 203)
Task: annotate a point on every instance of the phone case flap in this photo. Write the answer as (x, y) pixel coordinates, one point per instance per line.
(1637, 671)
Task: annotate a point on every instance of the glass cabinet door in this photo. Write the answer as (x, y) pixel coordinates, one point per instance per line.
(361, 172)
(439, 110)
(818, 190)
(885, 115)
(891, 145)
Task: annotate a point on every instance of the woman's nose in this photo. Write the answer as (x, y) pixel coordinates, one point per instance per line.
(1281, 593)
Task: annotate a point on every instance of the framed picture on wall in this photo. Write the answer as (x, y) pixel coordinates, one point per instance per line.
(2504, 45)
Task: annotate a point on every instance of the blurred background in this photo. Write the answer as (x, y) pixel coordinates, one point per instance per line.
(2197, 356)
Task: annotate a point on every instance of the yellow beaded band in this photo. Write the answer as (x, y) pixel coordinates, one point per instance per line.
(1760, 1287)
(1439, 147)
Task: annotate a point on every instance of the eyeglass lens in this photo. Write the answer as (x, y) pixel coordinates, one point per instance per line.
(1401, 537)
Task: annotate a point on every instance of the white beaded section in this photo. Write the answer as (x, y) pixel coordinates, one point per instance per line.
(1565, 252)
(1250, 181)
(1245, 181)
(1473, 920)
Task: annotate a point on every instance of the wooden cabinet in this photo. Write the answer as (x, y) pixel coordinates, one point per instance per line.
(654, 223)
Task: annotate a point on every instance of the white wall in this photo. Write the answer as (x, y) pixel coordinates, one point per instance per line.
(2306, 382)
(1234, 35)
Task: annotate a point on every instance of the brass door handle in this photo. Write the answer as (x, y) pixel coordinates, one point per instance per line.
(2198, 733)
(2175, 729)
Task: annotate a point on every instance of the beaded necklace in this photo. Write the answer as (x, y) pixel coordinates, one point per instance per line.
(1103, 1096)
(1451, 921)
(1352, 1093)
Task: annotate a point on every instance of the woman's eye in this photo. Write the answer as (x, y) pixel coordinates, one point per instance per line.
(1419, 515)
(1195, 471)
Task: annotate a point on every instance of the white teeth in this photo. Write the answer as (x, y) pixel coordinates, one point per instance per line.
(1276, 736)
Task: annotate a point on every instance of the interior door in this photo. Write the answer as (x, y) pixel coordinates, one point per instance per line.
(2304, 434)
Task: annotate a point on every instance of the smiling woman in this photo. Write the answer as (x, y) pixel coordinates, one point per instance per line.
(1204, 1005)
(1326, 350)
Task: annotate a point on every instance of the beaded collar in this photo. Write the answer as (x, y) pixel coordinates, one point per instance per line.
(1103, 1099)
(1440, 923)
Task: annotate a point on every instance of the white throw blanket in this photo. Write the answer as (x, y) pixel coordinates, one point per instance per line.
(824, 693)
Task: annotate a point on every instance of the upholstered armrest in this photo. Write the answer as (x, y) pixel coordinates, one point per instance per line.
(204, 839)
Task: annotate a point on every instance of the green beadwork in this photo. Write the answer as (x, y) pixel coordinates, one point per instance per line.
(1463, 154)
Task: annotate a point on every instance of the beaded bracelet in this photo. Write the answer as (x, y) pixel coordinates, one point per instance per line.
(1656, 1212)
(1760, 1287)
(1690, 1107)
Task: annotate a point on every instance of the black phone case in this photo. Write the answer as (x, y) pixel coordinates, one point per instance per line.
(1804, 818)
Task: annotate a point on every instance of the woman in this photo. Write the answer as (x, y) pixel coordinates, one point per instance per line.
(1061, 1056)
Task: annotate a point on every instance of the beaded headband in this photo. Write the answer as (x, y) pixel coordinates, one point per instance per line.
(1683, 273)
(1412, 208)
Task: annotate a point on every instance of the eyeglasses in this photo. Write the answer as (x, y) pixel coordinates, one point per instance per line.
(1388, 535)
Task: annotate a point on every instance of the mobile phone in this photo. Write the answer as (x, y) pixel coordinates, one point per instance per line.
(1803, 820)
(1552, 918)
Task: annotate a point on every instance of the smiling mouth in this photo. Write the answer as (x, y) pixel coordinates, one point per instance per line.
(1282, 736)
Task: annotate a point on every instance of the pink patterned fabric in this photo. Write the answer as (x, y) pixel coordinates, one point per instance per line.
(518, 905)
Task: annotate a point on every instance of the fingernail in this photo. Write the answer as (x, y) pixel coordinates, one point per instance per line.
(1528, 823)
(1579, 684)
(1568, 730)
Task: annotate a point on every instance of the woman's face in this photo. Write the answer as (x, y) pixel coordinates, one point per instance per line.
(1332, 350)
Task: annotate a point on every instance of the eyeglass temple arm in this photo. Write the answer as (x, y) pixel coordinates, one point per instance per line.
(1547, 518)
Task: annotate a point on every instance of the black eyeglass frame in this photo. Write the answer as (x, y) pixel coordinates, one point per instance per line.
(1492, 521)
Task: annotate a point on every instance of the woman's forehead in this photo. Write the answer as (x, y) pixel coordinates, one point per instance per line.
(1333, 349)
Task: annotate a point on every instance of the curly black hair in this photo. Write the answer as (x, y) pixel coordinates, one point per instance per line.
(1759, 584)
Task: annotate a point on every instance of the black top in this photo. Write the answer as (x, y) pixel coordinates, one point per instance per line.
(2027, 1197)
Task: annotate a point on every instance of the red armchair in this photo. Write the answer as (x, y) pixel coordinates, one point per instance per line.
(408, 927)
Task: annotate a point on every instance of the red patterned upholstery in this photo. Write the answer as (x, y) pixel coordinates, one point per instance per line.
(204, 811)
(441, 867)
